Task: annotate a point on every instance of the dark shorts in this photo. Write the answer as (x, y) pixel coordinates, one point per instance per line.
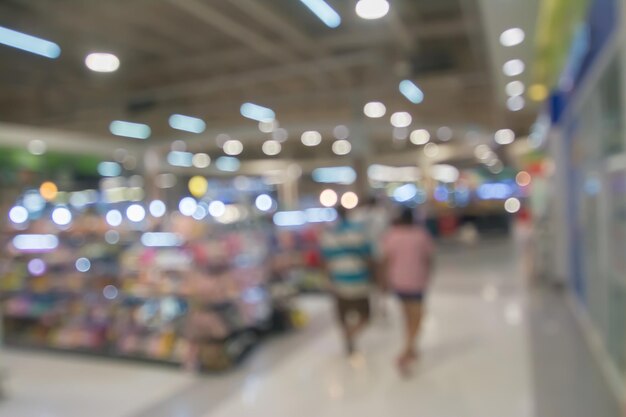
(416, 297)
(347, 306)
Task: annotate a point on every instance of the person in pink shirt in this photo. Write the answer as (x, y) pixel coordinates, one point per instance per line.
(408, 255)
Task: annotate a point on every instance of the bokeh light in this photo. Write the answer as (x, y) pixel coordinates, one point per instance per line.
(48, 190)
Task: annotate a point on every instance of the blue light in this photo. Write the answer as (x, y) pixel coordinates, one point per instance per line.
(334, 175)
(320, 215)
(227, 164)
(180, 159)
(405, 193)
(324, 12)
(441, 194)
(130, 130)
(494, 191)
(109, 169)
(187, 123)
(289, 218)
(411, 91)
(29, 43)
(256, 112)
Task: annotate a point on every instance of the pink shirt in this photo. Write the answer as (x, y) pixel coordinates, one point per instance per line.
(408, 250)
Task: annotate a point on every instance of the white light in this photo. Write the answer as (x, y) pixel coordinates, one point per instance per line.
(227, 164)
(29, 43)
(157, 208)
(341, 132)
(83, 264)
(311, 138)
(33, 201)
(180, 159)
(201, 211)
(187, 123)
(504, 136)
(264, 202)
(289, 218)
(405, 193)
(349, 200)
(110, 292)
(444, 133)
(512, 205)
(513, 67)
(187, 206)
(334, 175)
(18, 215)
(420, 137)
(431, 150)
(444, 173)
(233, 147)
(372, 9)
(79, 199)
(256, 112)
(328, 198)
(130, 130)
(114, 218)
(268, 126)
(36, 267)
(324, 12)
(320, 215)
(102, 62)
(217, 208)
(512, 37)
(516, 103)
(271, 147)
(61, 216)
(135, 213)
(109, 169)
(401, 119)
(35, 243)
(342, 147)
(37, 147)
(411, 91)
(112, 237)
(161, 239)
(482, 152)
(374, 109)
(515, 88)
(280, 135)
(201, 160)
(384, 173)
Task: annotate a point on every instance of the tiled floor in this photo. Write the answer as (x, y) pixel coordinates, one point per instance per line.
(478, 359)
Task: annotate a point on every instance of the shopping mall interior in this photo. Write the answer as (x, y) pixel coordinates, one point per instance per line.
(228, 208)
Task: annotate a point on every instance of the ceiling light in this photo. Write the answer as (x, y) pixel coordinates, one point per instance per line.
(180, 159)
(227, 164)
(135, 213)
(513, 68)
(516, 103)
(444, 173)
(401, 119)
(271, 147)
(48, 190)
(372, 9)
(512, 37)
(109, 169)
(187, 206)
(280, 135)
(233, 147)
(504, 136)
(334, 175)
(538, 92)
(411, 91)
(341, 132)
(523, 179)
(482, 151)
(255, 112)
(130, 130)
(217, 208)
(264, 202)
(311, 138)
(198, 186)
(37, 147)
(18, 214)
(512, 205)
(431, 150)
(268, 126)
(114, 218)
(374, 109)
(328, 198)
(102, 62)
(349, 200)
(324, 12)
(157, 208)
(342, 147)
(515, 88)
(420, 137)
(187, 123)
(201, 160)
(400, 133)
(61, 216)
(29, 43)
(444, 133)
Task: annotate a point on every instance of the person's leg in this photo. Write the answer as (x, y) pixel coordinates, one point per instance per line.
(342, 311)
(413, 314)
(360, 309)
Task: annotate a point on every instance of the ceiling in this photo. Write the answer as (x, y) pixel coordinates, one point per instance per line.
(206, 57)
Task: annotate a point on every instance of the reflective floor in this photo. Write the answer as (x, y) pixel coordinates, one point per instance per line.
(490, 347)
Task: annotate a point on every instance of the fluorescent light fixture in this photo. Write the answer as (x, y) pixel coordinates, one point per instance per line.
(384, 173)
(512, 37)
(29, 43)
(187, 123)
(161, 240)
(372, 9)
(444, 173)
(180, 159)
(335, 175)
(513, 67)
(289, 218)
(130, 130)
(320, 215)
(102, 62)
(256, 112)
(405, 193)
(324, 12)
(227, 164)
(35, 243)
(109, 169)
(411, 91)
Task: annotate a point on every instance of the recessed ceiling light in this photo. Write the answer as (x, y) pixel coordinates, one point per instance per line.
(504, 136)
(372, 9)
(341, 132)
(515, 88)
(233, 147)
(516, 103)
(420, 137)
(271, 147)
(513, 68)
(311, 138)
(374, 109)
(342, 147)
(102, 62)
(512, 37)
(401, 119)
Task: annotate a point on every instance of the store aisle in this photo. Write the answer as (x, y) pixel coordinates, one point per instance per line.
(476, 362)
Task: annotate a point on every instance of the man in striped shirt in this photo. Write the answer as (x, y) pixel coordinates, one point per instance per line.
(347, 254)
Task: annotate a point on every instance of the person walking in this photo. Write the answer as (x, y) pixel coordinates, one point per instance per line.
(408, 256)
(347, 256)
